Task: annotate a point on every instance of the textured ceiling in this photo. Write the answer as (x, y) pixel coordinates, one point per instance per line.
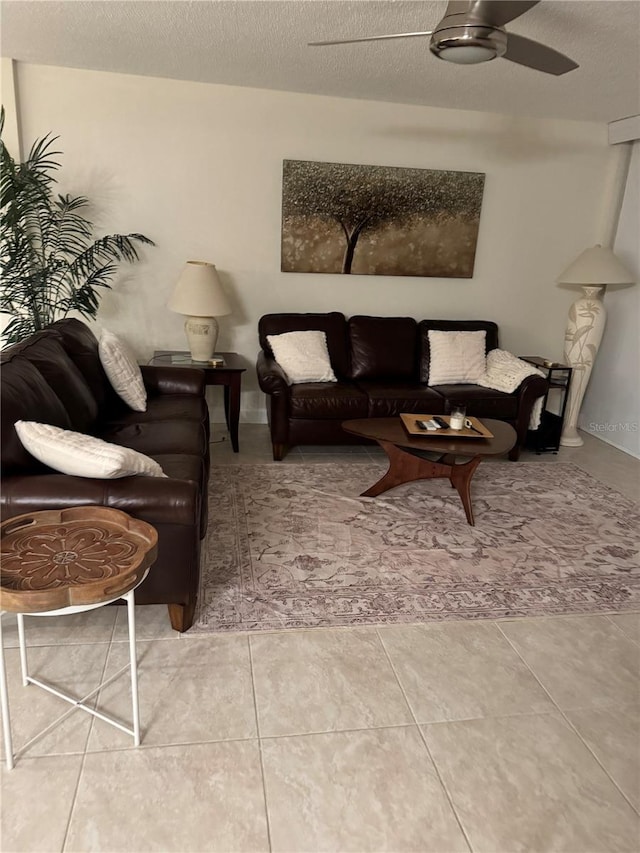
(263, 43)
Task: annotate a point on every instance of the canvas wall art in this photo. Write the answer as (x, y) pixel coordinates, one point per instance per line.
(379, 220)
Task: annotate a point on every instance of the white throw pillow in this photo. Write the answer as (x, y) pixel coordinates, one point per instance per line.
(83, 455)
(456, 357)
(303, 356)
(123, 371)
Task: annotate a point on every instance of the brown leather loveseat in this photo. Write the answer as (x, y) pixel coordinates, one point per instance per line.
(56, 377)
(382, 367)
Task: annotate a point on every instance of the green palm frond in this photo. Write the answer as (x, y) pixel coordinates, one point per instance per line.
(112, 247)
(51, 264)
(19, 327)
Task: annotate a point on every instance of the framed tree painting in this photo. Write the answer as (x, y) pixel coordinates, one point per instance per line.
(379, 220)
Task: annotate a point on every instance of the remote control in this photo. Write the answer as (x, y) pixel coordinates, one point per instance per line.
(440, 422)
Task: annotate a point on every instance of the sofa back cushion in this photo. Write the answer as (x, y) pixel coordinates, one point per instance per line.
(425, 326)
(25, 395)
(81, 345)
(383, 347)
(333, 324)
(45, 351)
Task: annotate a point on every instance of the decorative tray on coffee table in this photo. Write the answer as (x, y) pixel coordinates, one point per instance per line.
(478, 430)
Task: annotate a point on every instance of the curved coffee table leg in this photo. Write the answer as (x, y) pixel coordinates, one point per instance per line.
(461, 480)
(448, 459)
(405, 468)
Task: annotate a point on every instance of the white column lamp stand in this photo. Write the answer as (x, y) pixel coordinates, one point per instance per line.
(593, 270)
(200, 296)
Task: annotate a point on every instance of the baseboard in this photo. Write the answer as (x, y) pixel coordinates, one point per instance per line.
(259, 416)
(245, 418)
(608, 441)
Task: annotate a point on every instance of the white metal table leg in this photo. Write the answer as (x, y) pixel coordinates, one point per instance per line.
(23, 650)
(78, 703)
(133, 663)
(4, 701)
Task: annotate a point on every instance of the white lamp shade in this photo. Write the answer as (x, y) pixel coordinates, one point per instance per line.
(597, 267)
(199, 293)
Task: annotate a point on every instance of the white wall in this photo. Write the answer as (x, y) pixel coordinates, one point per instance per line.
(611, 407)
(197, 167)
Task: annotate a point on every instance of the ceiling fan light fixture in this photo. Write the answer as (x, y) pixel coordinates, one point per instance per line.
(468, 45)
(466, 54)
(472, 32)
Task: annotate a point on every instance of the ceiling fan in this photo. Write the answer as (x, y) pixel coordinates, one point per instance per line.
(473, 31)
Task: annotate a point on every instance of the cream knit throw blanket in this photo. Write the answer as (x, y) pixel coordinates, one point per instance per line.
(504, 372)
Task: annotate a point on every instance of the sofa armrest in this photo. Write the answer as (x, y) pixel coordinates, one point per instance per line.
(530, 389)
(271, 377)
(162, 379)
(157, 500)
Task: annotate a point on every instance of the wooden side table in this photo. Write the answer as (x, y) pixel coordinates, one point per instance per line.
(547, 437)
(58, 562)
(229, 375)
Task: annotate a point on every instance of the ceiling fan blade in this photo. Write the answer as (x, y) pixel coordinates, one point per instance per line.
(370, 38)
(535, 55)
(494, 12)
(500, 12)
(458, 7)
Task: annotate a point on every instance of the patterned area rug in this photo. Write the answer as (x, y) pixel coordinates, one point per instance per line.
(293, 546)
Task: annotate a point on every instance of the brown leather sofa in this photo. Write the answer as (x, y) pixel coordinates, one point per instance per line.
(56, 377)
(382, 366)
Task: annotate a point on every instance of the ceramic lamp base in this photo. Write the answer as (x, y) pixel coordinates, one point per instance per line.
(202, 335)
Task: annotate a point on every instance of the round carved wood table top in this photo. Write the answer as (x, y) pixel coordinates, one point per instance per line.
(71, 557)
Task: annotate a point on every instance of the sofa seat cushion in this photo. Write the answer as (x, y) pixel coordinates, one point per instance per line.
(387, 399)
(383, 348)
(328, 401)
(157, 437)
(158, 500)
(167, 407)
(480, 402)
(182, 466)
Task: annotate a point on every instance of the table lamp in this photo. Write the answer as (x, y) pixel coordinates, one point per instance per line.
(200, 296)
(593, 270)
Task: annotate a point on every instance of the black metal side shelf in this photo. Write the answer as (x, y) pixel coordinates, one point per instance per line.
(546, 438)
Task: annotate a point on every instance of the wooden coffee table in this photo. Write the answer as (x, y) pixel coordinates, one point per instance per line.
(425, 457)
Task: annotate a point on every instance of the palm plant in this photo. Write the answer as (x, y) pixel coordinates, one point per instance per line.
(50, 263)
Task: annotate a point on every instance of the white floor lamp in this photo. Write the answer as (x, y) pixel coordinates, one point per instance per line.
(593, 271)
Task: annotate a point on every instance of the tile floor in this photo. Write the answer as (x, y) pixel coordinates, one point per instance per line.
(516, 735)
